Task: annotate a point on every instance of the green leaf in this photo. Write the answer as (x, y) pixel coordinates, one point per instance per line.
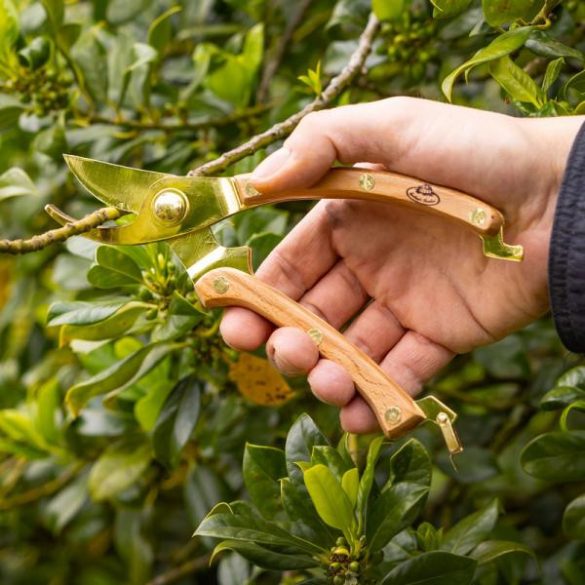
(16, 183)
(403, 496)
(564, 420)
(263, 468)
(131, 537)
(176, 421)
(574, 519)
(432, 568)
(113, 327)
(449, 8)
(48, 411)
(237, 521)
(10, 109)
(114, 269)
(266, 558)
(561, 396)
(330, 457)
(91, 64)
(160, 30)
(547, 46)
(81, 313)
(575, 377)
(118, 467)
(350, 482)
(121, 11)
(472, 530)
(552, 73)
(66, 504)
(329, 499)
(501, 46)
(181, 318)
(36, 53)
(367, 481)
(388, 9)
(55, 11)
(556, 456)
(516, 82)
(301, 439)
(490, 550)
(498, 12)
(118, 376)
(9, 27)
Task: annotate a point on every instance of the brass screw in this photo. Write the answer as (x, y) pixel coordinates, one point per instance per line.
(315, 335)
(478, 216)
(221, 285)
(367, 182)
(251, 190)
(170, 206)
(393, 415)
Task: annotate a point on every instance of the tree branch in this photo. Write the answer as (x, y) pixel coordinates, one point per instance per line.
(61, 234)
(283, 129)
(335, 88)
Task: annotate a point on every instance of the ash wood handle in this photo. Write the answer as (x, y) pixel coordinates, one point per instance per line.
(385, 187)
(395, 410)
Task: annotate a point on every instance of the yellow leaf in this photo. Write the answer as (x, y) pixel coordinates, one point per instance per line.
(259, 382)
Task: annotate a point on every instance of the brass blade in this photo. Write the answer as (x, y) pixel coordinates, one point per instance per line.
(200, 252)
(115, 185)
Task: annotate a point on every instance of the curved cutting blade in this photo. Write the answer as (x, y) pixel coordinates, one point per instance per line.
(115, 185)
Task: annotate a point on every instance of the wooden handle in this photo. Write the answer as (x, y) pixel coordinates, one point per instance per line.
(385, 187)
(395, 410)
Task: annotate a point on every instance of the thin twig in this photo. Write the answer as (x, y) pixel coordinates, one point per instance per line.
(61, 234)
(275, 58)
(336, 86)
(283, 129)
(181, 571)
(217, 122)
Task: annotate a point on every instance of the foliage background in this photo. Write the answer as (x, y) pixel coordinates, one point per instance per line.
(113, 495)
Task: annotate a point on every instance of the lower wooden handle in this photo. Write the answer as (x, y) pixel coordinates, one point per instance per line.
(395, 410)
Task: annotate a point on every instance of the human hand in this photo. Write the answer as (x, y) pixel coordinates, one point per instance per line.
(416, 288)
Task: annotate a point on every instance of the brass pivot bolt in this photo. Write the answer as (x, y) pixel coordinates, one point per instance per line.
(367, 182)
(221, 285)
(393, 415)
(170, 206)
(478, 216)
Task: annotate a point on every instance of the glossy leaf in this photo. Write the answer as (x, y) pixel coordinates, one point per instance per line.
(490, 550)
(266, 558)
(561, 396)
(176, 421)
(574, 519)
(263, 468)
(387, 9)
(498, 12)
(301, 438)
(501, 46)
(433, 568)
(9, 26)
(118, 376)
(367, 481)
(556, 456)
(449, 8)
(119, 467)
(16, 183)
(160, 31)
(329, 499)
(350, 482)
(471, 531)
(515, 81)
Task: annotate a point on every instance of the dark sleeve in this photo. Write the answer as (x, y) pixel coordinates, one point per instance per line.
(567, 252)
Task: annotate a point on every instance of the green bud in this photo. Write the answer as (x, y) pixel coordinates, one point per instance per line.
(151, 314)
(338, 580)
(341, 541)
(341, 552)
(354, 566)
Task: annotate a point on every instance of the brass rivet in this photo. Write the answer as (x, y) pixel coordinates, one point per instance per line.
(221, 285)
(367, 182)
(315, 335)
(478, 216)
(393, 415)
(251, 190)
(170, 206)
(442, 418)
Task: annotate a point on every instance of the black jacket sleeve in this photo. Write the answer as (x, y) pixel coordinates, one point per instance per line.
(567, 252)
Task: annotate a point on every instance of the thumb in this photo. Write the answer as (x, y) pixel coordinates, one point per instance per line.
(347, 134)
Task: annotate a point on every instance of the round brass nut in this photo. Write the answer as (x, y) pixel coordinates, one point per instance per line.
(170, 206)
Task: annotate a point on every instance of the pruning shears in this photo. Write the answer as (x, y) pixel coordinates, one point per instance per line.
(181, 211)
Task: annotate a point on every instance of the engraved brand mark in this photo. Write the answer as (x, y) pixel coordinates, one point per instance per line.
(423, 194)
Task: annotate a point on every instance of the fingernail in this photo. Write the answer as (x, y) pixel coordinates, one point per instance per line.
(271, 165)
